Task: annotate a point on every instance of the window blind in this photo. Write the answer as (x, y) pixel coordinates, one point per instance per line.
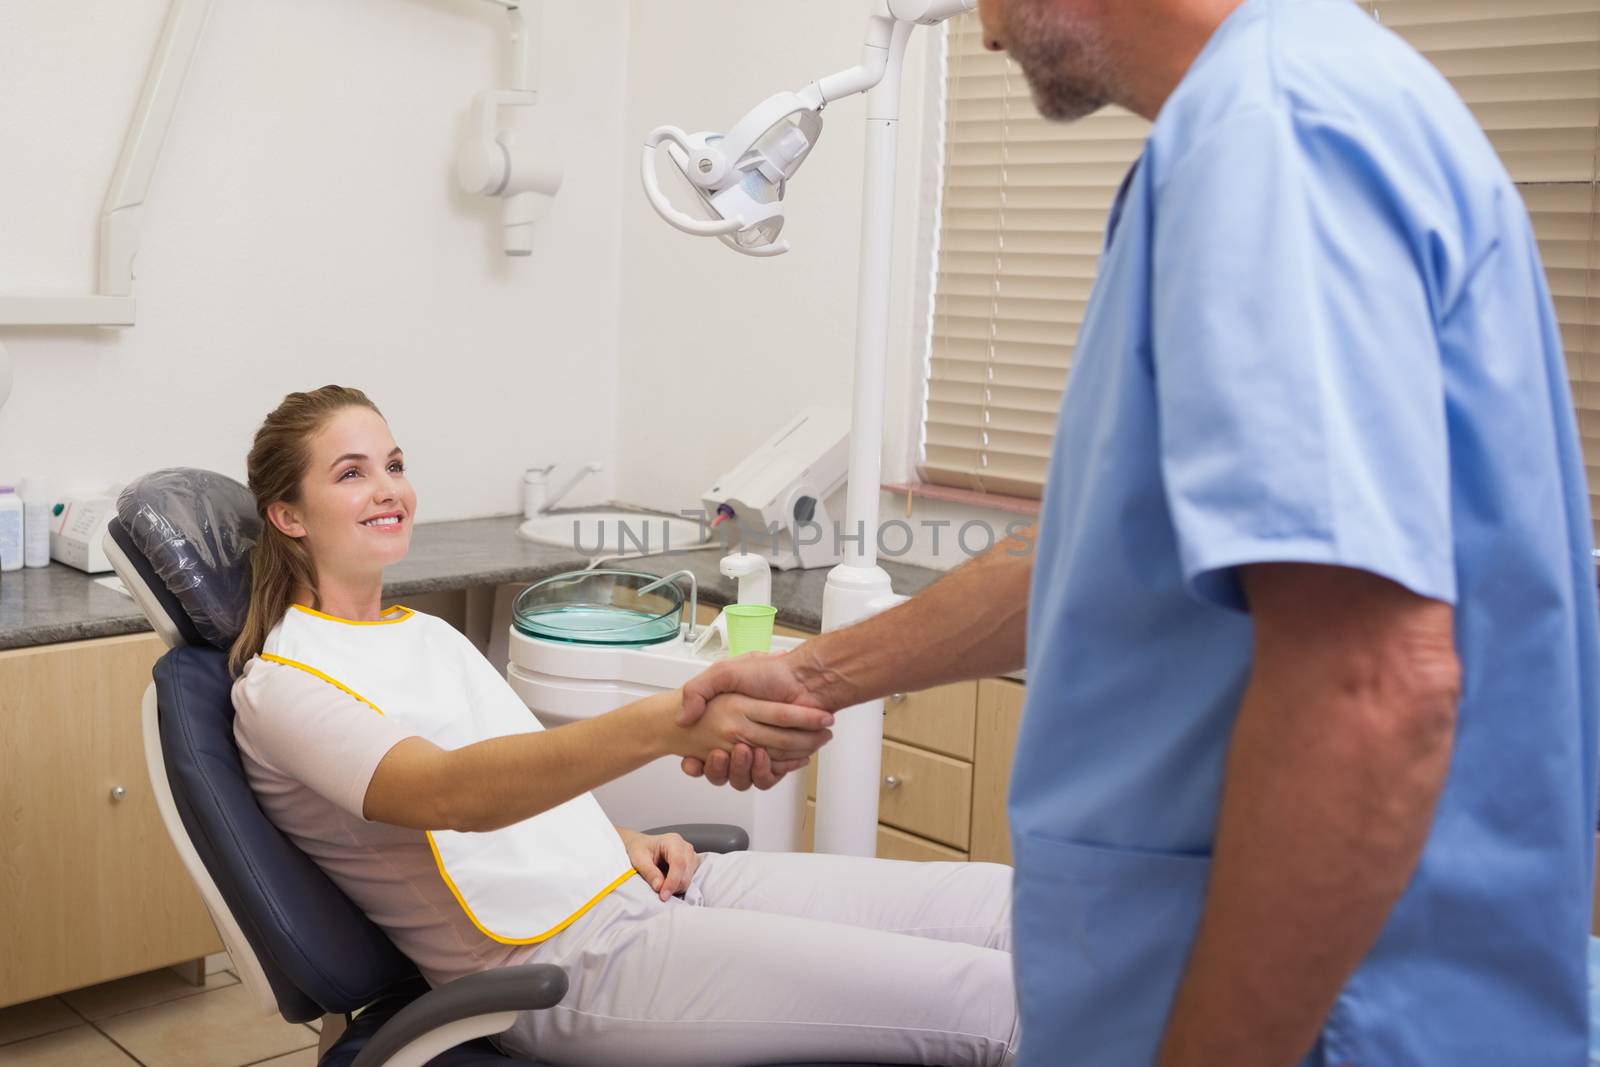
(1021, 225)
(1530, 72)
(1025, 201)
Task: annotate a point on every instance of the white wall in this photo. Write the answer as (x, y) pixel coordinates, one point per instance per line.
(304, 228)
(717, 349)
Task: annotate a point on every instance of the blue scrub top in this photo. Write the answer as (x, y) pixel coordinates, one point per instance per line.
(1321, 334)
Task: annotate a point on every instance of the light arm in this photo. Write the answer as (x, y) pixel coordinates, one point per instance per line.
(741, 176)
(1337, 759)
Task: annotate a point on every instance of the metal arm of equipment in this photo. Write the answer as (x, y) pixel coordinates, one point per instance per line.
(740, 177)
(112, 303)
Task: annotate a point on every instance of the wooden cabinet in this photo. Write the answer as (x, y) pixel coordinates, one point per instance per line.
(926, 794)
(892, 844)
(90, 886)
(940, 719)
(999, 714)
(931, 803)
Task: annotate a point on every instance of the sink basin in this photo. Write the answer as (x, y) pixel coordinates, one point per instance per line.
(612, 533)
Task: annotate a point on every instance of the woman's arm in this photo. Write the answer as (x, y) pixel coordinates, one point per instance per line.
(505, 780)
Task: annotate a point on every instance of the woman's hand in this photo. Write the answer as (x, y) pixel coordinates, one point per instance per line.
(764, 677)
(776, 737)
(666, 860)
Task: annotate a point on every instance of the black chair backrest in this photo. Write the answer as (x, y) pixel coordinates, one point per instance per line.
(319, 952)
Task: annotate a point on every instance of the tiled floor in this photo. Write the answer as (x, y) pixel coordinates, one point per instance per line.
(154, 1020)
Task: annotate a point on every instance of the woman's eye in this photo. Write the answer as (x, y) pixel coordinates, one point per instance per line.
(397, 467)
(348, 472)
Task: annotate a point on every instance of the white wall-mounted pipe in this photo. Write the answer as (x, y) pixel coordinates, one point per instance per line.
(850, 768)
(121, 212)
(112, 304)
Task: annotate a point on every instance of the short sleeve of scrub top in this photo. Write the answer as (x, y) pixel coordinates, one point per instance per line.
(1297, 367)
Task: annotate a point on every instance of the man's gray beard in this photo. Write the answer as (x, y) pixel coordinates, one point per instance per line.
(1066, 65)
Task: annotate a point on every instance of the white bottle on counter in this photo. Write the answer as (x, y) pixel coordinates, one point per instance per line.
(10, 529)
(36, 501)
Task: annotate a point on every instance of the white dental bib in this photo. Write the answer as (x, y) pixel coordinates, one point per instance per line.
(522, 883)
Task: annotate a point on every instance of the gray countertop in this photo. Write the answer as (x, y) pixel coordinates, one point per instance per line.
(56, 603)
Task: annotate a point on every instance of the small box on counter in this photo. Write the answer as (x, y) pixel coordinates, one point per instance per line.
(77, 530)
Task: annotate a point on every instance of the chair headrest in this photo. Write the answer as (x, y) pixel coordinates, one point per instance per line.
(194, 528)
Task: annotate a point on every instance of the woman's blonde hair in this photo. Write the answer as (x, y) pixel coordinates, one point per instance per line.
(278, 460)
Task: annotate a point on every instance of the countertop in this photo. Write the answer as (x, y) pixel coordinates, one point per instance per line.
(40, 606)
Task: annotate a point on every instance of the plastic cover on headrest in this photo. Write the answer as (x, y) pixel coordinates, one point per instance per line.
(196, 528)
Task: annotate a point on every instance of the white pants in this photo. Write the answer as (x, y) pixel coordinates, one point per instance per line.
(783, 958)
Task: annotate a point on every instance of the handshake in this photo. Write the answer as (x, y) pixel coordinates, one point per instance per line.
(755, 718)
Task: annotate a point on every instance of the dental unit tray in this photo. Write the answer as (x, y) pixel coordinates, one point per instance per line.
(605, 607)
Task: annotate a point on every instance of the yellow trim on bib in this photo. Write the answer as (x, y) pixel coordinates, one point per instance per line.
(270, 658)
(490, 934)
(405, 613)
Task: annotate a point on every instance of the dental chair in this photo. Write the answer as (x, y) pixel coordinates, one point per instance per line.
(180, 543)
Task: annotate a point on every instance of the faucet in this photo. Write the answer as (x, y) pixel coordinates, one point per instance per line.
(537, 501)
(754, 575)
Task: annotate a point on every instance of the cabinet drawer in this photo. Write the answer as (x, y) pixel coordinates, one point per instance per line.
(926, 794)
(892, 844)
(898, 845)
(921, 792)
(943, 719)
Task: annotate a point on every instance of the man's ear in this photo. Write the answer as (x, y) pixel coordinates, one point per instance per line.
(286, 519)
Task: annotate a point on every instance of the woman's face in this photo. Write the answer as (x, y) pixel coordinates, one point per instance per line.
(356, 505)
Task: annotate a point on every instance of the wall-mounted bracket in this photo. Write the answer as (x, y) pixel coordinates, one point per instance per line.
(112, 304)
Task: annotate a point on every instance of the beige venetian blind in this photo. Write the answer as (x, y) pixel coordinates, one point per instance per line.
(1530, 71)
(1021, 227)
(1025, 200)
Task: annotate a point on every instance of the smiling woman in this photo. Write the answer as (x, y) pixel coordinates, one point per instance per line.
(387, 748)
(320, 490)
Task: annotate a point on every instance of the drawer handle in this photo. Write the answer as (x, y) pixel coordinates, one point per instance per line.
(117, 793)
(891, 781)
(897, 698)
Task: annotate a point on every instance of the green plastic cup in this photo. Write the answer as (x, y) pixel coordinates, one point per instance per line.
(749, 627)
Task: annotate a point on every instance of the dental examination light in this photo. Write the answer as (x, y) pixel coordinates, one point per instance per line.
(492, 161)
(740, 179)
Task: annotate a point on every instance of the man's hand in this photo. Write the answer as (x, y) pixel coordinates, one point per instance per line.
(775, 737)
(972, 623)
(766, 677)
(666, 860)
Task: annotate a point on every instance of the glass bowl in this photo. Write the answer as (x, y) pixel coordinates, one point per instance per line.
(600, 607)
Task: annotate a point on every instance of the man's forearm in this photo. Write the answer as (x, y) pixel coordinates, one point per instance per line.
(972, 623)
(1328, 799)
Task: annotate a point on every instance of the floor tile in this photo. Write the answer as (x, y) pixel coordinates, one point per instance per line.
(138, 991)
(36, 1017)
(306, 1057)
(82, 1046)
(220, 1028)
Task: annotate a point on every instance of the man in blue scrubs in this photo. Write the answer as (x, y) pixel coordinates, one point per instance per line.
(1307, 768)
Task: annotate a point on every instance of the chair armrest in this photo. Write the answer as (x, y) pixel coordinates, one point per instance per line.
(708, 836)
(475, 1006)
